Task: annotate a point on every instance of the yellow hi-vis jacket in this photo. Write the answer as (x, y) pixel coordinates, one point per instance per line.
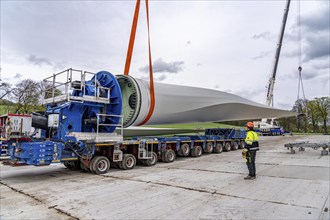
(251, 141)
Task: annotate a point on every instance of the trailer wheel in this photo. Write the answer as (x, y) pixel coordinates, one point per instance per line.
(128, 162)
(197, 151)
(100, 164)
(72, 165)
(227, 146)
(209, 148)
(91, 165)
(162, 155)
(218, 148)
(152, 161)
(168, 156)
(67, 164)
(242, 145)
(234, 146)
(184, 150)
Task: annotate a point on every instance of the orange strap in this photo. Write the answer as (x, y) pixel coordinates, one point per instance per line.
(132, 38)
(129, 57)
(151, 77)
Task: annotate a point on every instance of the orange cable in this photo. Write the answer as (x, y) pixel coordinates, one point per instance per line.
(132, 38)
(129, 57)
(152, 89)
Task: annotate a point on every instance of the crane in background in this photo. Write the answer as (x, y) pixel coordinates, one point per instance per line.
(266, 126)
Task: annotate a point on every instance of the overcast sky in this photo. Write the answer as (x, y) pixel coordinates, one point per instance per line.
(224, 45)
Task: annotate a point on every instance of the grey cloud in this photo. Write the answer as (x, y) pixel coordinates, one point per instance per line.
(306, 74)
(317, 47)
(321, 66)
(319, 21)
(265, 35)
(293, 53)
(261, 55)
(290, 35)
(18, 76)
(161, 78)
(160, 66)
(59, 66)
(39, 61)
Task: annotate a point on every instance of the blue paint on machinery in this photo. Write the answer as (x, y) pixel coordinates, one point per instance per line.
(82, 114)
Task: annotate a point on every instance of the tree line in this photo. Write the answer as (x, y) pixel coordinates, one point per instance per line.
(313, 116)
(27, 95)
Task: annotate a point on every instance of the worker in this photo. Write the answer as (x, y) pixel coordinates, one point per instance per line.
(250, 150)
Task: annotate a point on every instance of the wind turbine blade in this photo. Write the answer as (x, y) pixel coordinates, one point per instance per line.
(186, 104)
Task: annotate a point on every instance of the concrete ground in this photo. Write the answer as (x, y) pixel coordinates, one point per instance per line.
(288, 186)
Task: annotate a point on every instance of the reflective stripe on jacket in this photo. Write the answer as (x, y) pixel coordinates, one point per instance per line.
(251, 140)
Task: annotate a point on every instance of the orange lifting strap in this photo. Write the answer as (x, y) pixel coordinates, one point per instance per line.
(129, 57)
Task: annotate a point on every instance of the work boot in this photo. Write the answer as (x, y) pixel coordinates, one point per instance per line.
(249, 177)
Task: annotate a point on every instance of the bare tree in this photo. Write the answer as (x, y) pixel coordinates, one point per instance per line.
(26, 95)
(46, 90)
(5, 89)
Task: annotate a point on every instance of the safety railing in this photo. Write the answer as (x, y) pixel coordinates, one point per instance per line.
(101, 118)
(70, 85)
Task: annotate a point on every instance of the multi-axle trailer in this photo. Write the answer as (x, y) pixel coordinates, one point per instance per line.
(83, 128)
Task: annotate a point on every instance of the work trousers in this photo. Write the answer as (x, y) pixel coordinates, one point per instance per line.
(250, 162)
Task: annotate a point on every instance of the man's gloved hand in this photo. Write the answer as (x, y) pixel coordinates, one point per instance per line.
(244, 153)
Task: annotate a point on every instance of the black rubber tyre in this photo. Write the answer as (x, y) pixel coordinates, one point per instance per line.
(227, 146)
(72, 165)
(218, 148)
(169, 156)
(208, 148)
(152, 161)
(100, 165)
(162, 155)
(67, 164)
(241, 144)
(234, 146)
(91, 165)
(76, 165)
(128, 162)
(184, 150)
(197, 151)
